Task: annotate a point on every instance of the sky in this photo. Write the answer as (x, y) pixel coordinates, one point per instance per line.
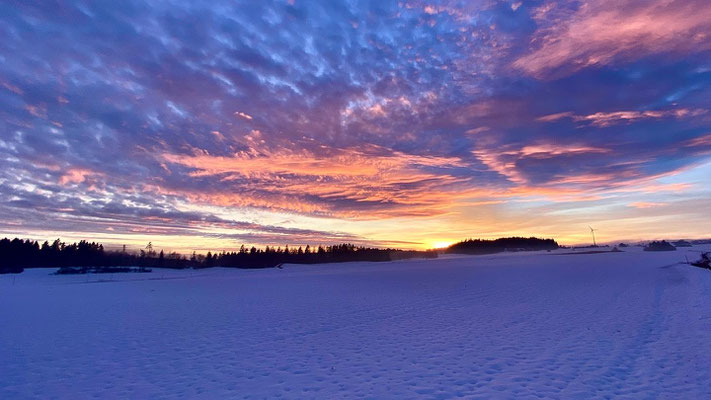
(204, 125)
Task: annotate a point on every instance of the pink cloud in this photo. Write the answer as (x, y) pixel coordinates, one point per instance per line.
(701, 141)
(11, 87)
(240, 114)
(603, 119)
(548, 150)
(76, 175)
(503, 161)
(646, 204)
(602, 31)
(555, 117)
(39, 111)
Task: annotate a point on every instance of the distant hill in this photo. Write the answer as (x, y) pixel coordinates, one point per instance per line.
(480, 246)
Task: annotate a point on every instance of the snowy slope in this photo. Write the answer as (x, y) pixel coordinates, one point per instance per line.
(523, 325)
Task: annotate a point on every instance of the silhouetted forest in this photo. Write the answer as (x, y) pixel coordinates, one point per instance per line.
(662, 245)
(480, 246)
(17, 254)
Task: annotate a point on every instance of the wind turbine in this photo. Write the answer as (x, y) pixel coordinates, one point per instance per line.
(592, 231)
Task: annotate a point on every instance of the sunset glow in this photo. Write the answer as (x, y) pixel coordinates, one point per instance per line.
(441, 245)
(207, 125)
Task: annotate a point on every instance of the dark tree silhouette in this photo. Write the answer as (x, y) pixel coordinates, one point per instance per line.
(662, 245)
(84, 257)
(480, 246)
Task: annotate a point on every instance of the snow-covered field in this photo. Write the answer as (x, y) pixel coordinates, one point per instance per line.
(522, 325)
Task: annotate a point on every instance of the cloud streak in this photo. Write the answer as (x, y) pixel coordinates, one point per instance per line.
(604, 119)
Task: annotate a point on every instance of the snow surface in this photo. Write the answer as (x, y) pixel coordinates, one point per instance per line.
(522, 325)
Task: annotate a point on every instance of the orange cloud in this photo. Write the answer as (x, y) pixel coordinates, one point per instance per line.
(357, 183)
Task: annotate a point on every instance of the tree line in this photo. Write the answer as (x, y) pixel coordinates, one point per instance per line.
(17, 254)
(481, 246)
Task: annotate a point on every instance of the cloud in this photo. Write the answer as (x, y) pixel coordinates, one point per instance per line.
(359, 183)
(604, 119)
(142, 215)
(243, 115)
(76, 175)
(646, 204)
(701, 142)
(508, 161)
(597, 33)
